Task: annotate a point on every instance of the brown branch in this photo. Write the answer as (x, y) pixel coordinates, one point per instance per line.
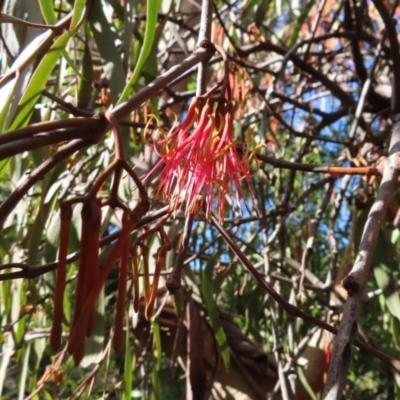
(45, 139)
(390, 26)
(90, 124)
(336, 90)
(174, 281)
(92, 129)
(355, 282)
(332, 170)
(123, 110)
(24, 60)
(36, 175)
(204, 35)
(66, 106)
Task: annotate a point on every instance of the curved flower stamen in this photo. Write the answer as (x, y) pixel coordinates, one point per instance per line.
(202, 167)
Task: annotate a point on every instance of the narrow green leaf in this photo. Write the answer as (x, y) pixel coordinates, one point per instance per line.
(68, 307)
(303, 15)
(52, 237)
(47, 8)
(42, 73)
(396, 389)
(155, 380)
(75, 235)
(7, 352)
(207, 290)
(105, 39)
(37, 230)
(71, 63)
(385, 263)
(151, 24)
(38, 82)
(249, 8)
(77, 13)
(304, 382)
(95, 343)
(395, 330)
(127, 368)
(262, 9)
(127, 34)
(157, 343)
(24, 372)
(44, 211)
(3, 165)
(20, 326)
(9, 91)
(119, 10)
(86, 80)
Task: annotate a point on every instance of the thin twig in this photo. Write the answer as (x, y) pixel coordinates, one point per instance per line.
(36, 175)
(28, 57)
(204, 36)
(332, 170)
(174, 281)
(124, 109)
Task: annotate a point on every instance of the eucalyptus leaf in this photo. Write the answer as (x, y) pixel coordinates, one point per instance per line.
(385, 264)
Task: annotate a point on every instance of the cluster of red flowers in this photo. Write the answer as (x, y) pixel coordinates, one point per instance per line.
(201, 163)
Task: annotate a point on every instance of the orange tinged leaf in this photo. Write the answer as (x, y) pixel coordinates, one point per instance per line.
(92, 261)
(88, 266)
(82, 321)
(79, 350)
(145, 257)
(159, 264)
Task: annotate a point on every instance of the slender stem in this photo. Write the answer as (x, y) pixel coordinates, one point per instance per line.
(48, 127)
(364, 92)
(28, 57)
(225, 81)
(36, 175)
(18, 146)
(119, 147)
(332, 170)
(124, 109)
(390, 26)
(204, 36)
(174, 281)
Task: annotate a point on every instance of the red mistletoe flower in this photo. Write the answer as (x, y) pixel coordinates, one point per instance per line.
(202, 165)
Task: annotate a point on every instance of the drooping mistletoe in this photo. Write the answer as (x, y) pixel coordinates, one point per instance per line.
(202, 164)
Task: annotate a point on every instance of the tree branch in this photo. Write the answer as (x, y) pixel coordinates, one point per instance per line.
(36, 175)
(355, 282)
(204, 36)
